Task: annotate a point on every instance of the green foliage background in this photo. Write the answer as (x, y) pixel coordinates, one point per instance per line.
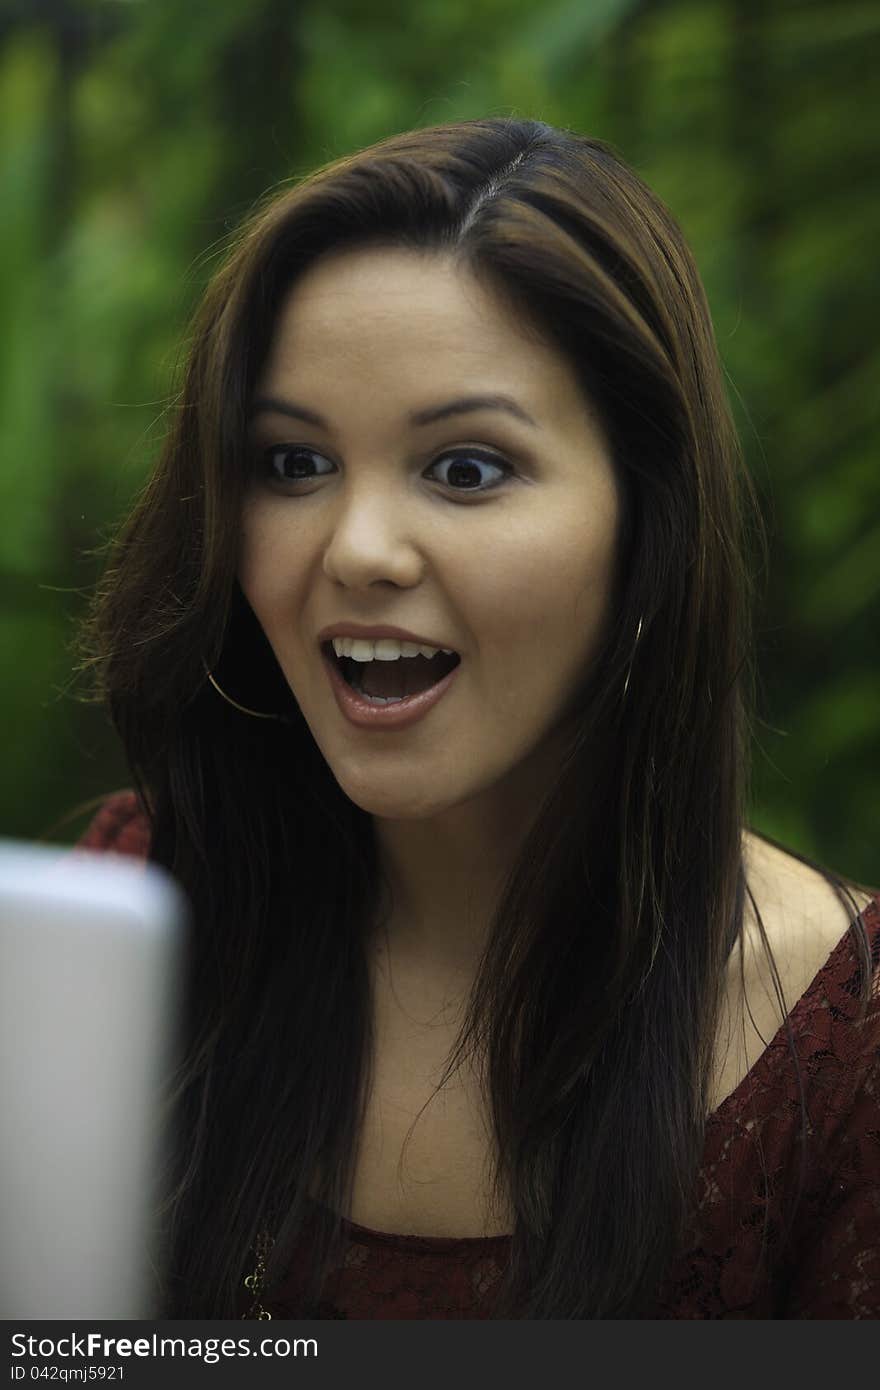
(135, 133)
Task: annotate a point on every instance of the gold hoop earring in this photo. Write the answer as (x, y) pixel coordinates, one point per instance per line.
(629, 671)
(255, 713)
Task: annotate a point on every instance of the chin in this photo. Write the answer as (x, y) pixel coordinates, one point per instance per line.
(392, 804)
(392, 797)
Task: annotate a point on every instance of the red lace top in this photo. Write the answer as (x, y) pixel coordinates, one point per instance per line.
(829, 1269)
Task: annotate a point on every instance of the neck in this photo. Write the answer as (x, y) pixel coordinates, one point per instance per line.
(446, 872)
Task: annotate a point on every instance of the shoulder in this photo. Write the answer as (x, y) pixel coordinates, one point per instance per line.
(816, 956)
(120, 825)
(802, 914)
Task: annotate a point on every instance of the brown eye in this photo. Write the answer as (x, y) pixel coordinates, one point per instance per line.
(291, 463)
(463, 473)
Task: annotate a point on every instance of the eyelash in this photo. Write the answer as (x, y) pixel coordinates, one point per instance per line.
(263, 464)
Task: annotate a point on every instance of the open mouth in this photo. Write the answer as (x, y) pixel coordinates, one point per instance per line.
(395, 680)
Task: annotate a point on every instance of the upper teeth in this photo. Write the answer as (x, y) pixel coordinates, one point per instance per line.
(385, 649)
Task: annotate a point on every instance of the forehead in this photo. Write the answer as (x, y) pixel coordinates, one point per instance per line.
(413, 289)
(412, 323)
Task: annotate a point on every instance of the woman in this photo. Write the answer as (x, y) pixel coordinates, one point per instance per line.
(428, 644)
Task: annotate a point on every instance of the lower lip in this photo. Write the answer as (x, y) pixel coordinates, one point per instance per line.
(359, 711)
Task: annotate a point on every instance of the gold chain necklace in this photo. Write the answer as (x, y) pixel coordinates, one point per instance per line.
(256, 1283)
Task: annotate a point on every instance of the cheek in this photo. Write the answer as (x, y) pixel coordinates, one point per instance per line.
(549, 588)
(265, 561)
(251, 543)
(538, 615)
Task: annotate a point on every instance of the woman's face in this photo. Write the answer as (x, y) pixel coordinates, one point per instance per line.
(487, 530)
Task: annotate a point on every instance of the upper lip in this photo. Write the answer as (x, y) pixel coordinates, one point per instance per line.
(375, 632)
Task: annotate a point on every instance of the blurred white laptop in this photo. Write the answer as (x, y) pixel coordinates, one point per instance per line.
(90, 962)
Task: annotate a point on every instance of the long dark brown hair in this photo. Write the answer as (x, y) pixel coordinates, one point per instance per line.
(594, 1012)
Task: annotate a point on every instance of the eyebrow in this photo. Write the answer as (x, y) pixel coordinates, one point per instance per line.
(464, 405)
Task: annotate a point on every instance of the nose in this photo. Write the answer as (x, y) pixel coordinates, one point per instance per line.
(371, 542)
